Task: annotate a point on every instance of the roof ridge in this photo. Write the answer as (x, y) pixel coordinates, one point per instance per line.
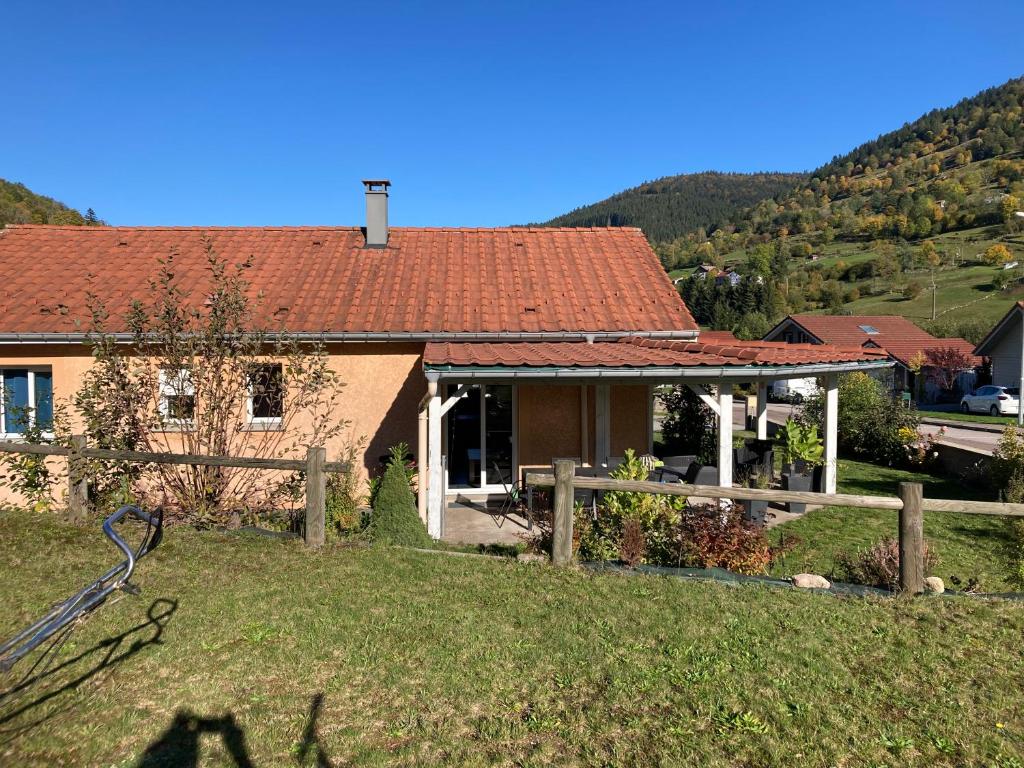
(300, 227)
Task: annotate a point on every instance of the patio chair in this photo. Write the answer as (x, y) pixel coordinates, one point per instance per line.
(667, 475)
(513, 496)
(699, 474)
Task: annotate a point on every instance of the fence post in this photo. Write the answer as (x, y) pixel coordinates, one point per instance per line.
(316, 496)
(911, 539)
(78, 482)
(561, 543)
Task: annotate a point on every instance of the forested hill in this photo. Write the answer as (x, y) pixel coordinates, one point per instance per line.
(673, 205)
(926, 222)
(20, 205)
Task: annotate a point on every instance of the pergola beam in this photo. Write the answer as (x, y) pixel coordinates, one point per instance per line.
(707, 399)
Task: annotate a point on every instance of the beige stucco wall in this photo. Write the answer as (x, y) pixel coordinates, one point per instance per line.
(383, 385)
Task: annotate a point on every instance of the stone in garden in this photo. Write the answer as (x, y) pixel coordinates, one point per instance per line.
(531, 557)
(811, 581)
(934, 584)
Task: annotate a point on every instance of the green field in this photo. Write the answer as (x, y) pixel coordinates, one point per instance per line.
(267, 655)
(962, 290)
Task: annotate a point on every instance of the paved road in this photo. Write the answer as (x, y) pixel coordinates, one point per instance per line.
(972, 438)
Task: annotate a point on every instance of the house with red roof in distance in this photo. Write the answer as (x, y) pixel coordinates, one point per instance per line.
(906, 344)
(488, 350)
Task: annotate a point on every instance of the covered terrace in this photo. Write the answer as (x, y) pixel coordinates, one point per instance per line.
(493, 409)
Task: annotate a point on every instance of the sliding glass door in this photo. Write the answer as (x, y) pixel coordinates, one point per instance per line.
(481, 435)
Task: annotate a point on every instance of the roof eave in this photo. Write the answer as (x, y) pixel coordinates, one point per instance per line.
(733, 372)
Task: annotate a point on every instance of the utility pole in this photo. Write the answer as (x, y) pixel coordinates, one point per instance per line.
(934, 290)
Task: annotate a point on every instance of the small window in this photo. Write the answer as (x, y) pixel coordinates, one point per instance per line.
(870, 330)
(266, 394)
(27, 400)
(177, 395)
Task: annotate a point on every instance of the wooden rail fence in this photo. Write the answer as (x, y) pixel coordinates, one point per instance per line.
(909, 502)
(315, 466)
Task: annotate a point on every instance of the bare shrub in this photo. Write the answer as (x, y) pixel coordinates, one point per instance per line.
(878, 565)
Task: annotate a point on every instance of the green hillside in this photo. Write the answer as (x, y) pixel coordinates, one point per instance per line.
(933, 204)
(673, 205)
(20, 205)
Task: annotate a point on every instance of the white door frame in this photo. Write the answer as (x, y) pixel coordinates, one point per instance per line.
(485, 486)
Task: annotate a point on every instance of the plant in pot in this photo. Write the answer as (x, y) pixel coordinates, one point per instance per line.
(802, 452)
(756, 510)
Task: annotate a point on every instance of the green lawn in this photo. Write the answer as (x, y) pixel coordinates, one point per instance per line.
(390, 657)
(968, 546)
(980, 418)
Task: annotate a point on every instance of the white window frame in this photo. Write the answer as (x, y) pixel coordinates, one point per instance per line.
(32, 371)
(167, 389)
(265, 422)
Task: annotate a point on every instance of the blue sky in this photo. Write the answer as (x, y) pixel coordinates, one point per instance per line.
(481, 114)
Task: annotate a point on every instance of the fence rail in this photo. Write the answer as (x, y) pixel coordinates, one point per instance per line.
(315, 465)
(909, 502)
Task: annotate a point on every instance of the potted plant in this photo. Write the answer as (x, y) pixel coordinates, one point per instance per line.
(801, 451)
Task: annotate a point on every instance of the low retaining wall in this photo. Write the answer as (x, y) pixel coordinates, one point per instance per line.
(958, 459)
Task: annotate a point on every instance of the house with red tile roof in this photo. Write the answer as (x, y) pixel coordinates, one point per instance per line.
(905, 343)
(487, 350)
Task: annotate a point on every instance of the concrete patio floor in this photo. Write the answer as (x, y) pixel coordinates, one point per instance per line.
(475, 521)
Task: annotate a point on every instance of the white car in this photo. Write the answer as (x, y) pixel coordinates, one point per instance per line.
(997, 401)
(793, 390)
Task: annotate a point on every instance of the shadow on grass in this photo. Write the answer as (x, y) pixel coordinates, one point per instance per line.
(179, 744)
(103, 656)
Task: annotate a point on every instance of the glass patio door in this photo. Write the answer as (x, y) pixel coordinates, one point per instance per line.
(480, 432)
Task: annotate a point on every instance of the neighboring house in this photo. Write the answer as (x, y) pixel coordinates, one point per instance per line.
(1002, 346)
(730, 276)
(704, 271)
(487, 350)
(901, 339)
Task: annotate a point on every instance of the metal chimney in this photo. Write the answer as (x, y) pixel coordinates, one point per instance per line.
(376, 212)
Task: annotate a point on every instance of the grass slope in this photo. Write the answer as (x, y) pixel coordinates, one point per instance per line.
(392, 657)
(968, 546)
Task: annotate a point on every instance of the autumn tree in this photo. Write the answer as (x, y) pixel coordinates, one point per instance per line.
(945, 364)
(997, 255)
(202, 377)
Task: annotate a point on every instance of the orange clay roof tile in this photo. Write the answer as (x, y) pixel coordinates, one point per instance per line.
(322, 279)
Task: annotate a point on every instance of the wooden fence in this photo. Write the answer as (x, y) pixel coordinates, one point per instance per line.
(909, 502)
(315, 466)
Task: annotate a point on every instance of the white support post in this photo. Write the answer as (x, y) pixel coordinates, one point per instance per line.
(725, 433)
(762, 410)
(435, 486)
(422, 452)
(831, 431)
(602, 415)
(584, 427)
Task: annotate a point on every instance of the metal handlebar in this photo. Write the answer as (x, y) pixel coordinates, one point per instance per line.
(92, 595)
